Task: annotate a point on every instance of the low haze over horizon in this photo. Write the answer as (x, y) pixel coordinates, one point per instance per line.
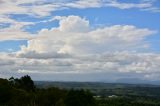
(80, 40)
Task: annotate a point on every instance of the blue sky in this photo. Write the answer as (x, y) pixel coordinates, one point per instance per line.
(121, 38)
(98, 17)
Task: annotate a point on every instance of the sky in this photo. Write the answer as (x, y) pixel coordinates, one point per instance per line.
(80, 40)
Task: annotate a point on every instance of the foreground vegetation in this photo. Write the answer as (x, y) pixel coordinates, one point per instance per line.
(23, 92)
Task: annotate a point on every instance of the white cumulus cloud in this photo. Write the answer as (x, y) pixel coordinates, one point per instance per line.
(75, 49)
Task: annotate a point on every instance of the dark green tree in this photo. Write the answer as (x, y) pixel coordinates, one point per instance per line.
(5, 91)
(79, 98)
(27, 83)
(24, 82)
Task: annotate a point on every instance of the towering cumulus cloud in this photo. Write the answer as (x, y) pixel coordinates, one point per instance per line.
(74, 47)
(74, 35)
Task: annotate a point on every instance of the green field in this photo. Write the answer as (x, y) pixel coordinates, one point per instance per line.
(107, 89)
(114, 94)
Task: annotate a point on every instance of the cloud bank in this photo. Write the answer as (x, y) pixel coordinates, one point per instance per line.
(75, 49)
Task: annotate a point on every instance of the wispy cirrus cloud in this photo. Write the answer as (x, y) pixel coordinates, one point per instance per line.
(44, 7)
(14, 31)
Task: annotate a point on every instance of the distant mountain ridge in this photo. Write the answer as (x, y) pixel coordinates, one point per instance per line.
(137, 81)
